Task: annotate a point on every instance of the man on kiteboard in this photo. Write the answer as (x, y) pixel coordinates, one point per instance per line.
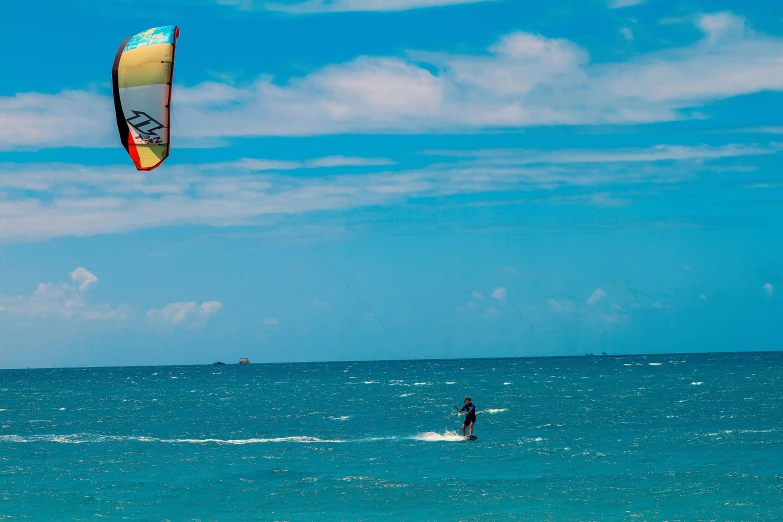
(470, 415)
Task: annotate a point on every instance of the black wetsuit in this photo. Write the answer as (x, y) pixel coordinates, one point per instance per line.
(470, 414)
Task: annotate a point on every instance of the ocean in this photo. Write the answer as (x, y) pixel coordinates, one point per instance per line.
(663, 437)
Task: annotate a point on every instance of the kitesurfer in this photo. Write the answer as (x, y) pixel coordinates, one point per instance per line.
(470, 415)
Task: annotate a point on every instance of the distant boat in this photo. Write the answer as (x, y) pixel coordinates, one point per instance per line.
(244, 360)
(218, 362)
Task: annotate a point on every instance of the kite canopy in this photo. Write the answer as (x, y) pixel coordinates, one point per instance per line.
(142, 75)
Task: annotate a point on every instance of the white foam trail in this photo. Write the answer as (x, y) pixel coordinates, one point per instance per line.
(82, 438)
(506, 383)
(432, 436)
(299, 439)
(407, 394)
(655, 364)
(697, 383)
(343, 418)
(450, 382)
(494, 410)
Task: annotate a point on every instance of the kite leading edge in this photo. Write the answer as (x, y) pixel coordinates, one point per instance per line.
(141, 78)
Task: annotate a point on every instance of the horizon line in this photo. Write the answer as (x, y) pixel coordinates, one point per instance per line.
(585, 356)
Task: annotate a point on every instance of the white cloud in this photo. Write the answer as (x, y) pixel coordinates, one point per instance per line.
(562, 306)
(184, 313)
(477, 295)
(70, 118)
(271, 321)
(596, 296)
(765, 130)
(769, 289)
(627, 34)
(84, 277)
(646, 155)
(721, 26)
(616, 4)
(499, 293)
(521, 80)
(703, 297)
(54, 200)
(728, 61)
(282, 165)
(63, 301)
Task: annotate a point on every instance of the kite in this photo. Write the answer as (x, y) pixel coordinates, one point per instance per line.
(141, 79)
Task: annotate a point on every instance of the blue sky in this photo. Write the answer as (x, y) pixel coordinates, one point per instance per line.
(374, 179)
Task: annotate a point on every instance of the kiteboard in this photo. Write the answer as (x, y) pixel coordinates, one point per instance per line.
(471, 437)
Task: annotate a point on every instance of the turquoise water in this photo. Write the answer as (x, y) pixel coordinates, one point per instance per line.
(683, 437)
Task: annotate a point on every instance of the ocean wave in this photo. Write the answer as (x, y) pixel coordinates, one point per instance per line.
(432, 436)
(655, 364)
(341, 418)
(86, 438)
(697, 383)
(494, 410)
(351, 478)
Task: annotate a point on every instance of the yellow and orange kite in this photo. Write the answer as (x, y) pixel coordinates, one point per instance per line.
(141, 77)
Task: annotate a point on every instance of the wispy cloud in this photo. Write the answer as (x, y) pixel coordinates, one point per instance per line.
(616, 4)
(596, 296)
(70, 118)
(84, 277)
(562, 305)
(722, 26)
(54, 200)
(769, 289)
(628, 155)
(271, 321)
(185, 313)
(499, 293)
(317, 163)
(63, 301)
(521, 80)
(335, 6)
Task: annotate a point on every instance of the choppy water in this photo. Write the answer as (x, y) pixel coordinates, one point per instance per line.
(676, 437)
